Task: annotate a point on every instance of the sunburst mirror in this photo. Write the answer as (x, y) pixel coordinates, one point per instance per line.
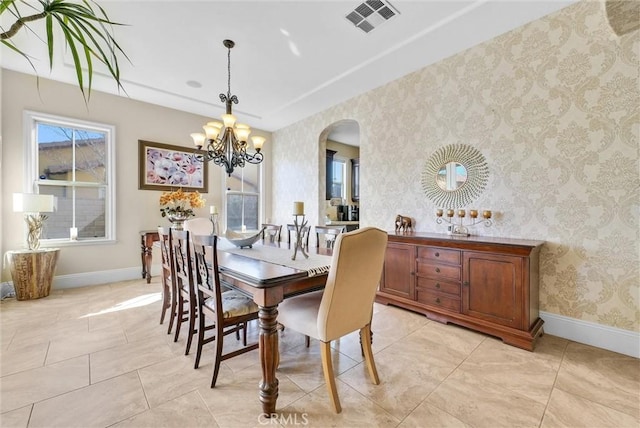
(455, 175)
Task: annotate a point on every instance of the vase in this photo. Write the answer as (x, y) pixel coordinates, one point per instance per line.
(177, 220)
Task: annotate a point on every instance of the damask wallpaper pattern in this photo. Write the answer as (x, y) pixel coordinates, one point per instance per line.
(554, 106)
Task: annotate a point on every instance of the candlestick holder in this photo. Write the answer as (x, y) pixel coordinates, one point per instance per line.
(299, 238)
(213, 218)
(456, 225)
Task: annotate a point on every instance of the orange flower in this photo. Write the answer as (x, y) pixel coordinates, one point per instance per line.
(181, 202)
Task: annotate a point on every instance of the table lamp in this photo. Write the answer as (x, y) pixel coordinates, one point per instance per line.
(32, 205)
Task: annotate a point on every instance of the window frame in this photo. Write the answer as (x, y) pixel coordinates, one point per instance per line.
(337, 159)
(32, 182)
(225, 192)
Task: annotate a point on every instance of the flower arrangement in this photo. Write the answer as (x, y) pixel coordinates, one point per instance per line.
(179, 203)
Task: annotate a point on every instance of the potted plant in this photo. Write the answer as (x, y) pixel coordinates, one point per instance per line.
(178, 206)
(84, 25)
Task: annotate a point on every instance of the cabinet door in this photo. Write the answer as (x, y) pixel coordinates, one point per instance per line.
(493, 288)
(398, 276)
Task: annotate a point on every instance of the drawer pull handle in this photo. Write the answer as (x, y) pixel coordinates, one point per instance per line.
(437, 300)
(437, 254)
(466, 283)
(437, 270)
(437, 285)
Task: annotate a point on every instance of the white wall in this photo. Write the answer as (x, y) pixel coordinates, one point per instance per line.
(136, 209)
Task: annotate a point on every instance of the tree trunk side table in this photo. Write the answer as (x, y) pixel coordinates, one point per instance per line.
(32, 272)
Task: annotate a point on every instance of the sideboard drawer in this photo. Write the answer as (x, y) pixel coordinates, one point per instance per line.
(438, 286)
(439, 254)
(439, 271)
(438, 300)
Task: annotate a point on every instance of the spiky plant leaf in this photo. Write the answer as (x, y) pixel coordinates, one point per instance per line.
(84, 29)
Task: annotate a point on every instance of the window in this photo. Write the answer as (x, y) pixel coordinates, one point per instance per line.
(73, 160)
(338, 172)
(243, 198)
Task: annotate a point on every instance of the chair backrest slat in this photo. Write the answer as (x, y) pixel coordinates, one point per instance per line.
(305, 233)
(165, 249)
(272, 231)
(182, 257)
(206, 269)
(328, 230)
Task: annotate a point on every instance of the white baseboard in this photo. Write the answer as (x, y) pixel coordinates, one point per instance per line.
(601, 336)
(100, 277)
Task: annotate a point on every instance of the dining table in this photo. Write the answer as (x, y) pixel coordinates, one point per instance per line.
(267, 273)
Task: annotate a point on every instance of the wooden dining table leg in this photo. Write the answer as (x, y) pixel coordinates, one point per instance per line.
(268, 358)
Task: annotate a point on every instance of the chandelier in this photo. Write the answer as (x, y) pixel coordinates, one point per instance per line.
(226, 142)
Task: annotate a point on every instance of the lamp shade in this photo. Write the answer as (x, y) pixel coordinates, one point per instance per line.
(258, 142)
(198, 138)
(32, 203)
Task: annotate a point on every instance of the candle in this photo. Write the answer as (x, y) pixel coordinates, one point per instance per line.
(486, 214)
(461, 213)
(439, 212)
(473, 213)
(298, 208)
(73, 233)
(449, 213)
(213, 209)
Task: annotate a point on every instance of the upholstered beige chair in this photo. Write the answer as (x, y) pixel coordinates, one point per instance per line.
(198, 226)
(346, 303)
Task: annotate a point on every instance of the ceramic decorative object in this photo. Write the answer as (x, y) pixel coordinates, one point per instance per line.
(242, 240)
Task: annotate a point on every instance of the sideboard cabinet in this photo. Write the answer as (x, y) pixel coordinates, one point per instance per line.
(485, 284)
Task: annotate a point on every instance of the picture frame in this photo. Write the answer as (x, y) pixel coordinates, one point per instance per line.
(169, 167)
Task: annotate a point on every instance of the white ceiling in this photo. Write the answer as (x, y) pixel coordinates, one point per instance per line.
(292, 58)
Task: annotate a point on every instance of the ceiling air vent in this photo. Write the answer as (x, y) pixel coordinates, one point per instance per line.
(371, 14)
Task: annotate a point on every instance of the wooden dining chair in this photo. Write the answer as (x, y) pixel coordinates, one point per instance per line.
(329, 233)
(169, 297)
(186, 294)
(228, 311)
(271, 231)
(305, 234)
(346, 303)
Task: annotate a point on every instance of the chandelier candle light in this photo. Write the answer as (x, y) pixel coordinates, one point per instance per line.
(226, 142)
(298, 211)
(458, 227)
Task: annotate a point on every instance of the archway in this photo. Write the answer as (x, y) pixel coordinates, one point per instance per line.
(338, 175)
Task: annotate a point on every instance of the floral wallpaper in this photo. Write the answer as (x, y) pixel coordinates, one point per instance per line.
(554, 106)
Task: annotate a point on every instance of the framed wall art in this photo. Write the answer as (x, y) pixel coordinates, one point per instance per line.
(166, 167)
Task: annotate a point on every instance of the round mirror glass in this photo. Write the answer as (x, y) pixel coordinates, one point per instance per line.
(451, 176)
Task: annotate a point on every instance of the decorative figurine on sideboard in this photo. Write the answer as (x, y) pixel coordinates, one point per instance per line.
(403, 223)
(458, 228)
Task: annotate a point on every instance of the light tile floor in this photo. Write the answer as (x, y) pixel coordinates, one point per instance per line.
(98, 357)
